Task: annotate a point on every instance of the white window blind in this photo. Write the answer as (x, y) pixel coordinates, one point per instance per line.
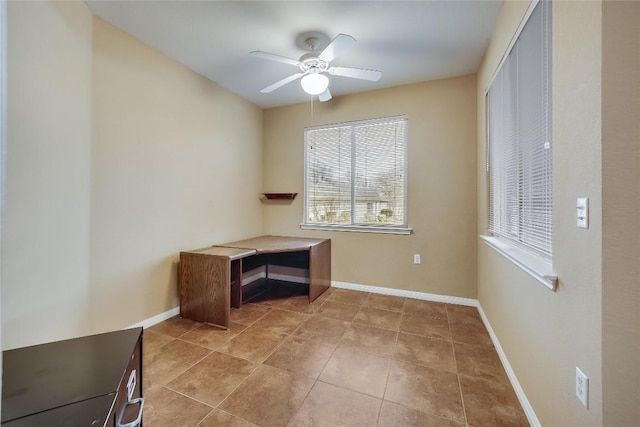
(356, 174)
(519, 139)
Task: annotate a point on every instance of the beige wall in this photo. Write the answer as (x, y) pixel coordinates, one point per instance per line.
(620, 213)
(176, 165)
(46, 229)
(441, 186)
(117, 159)
(592, 320)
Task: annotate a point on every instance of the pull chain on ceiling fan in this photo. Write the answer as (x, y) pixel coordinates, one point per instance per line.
(315, 65)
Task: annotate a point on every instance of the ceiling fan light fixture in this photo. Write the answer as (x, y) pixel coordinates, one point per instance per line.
(314, 83)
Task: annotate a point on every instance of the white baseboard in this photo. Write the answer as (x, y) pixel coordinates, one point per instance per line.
(407, 294)
(526, 406)
(524, 402)
(147, 323)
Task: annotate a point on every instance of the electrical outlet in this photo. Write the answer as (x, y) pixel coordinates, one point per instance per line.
(416, 258)
(582, 387)
(582, 212)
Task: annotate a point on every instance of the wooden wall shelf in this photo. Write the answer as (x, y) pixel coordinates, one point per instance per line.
(280, 196)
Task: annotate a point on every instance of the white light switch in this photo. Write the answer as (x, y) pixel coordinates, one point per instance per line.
(582, 212)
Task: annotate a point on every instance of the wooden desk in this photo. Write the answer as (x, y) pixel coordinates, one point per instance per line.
(81, 382)
(211, 278)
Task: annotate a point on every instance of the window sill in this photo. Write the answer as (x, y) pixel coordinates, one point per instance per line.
(538, 267)
(381, 229)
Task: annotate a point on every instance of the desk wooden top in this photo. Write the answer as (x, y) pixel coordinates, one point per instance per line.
(266, 244)
(230, 252)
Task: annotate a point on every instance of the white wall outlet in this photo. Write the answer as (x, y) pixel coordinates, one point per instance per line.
(416, 258)
(582, 387)
(582, 212)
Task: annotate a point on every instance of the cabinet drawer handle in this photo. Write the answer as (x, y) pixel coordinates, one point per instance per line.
(136, 422)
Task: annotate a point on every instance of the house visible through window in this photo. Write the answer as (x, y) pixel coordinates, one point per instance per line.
(519, 139)
(356, 175)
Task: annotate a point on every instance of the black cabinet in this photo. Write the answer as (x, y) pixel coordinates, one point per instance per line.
(88, 381)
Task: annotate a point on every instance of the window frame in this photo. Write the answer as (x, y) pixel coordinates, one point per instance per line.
(355, 226)
(533, 262)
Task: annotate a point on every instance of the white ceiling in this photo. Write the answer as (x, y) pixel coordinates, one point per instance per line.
(409, 41)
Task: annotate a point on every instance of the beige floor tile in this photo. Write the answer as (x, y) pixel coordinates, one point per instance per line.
(278, 298)
(369, 339)
(348, 296)
(331, 406)
(464, 314)
(470, 333)
(219, 418)
(174, 327)
(300, 304)
(430, 352)
(153, 341)
(248, 314)
(481, 362)
(489, 403)
(174, 359)
(213, 378)
(323, 296)
(384, 302)
(148, 385)
(394, 415)
(424, 389)
(281, 321)
(357, 371)
(268, 397)
(210, 336)
(426, 326)
(301, 356)
(275, 297)
(425, 308)
(166, 408)
(322, 329)
(379, 318)
(338, 310)
(263, 370)
(253, 344)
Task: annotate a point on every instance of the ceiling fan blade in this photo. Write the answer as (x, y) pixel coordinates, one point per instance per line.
(282, 82)
(356, 73)
(324, 96)
(338, 45)
(274, 57)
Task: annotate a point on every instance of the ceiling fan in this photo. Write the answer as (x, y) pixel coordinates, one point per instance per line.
(315, 65)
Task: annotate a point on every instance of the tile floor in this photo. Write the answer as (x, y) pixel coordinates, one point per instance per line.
(348, 359)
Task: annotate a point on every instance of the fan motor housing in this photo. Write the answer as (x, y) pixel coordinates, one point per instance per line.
(310, 62)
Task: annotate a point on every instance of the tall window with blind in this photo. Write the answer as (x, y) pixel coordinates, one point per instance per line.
(356, 174)
(519, 139)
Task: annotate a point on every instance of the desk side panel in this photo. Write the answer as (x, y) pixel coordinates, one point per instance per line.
(319, 269)
(205, 293)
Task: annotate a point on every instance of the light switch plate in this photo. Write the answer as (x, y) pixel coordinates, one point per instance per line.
(582, 212)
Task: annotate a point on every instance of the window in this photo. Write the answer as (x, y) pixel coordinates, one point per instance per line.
(519, 139)
(356, 176)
